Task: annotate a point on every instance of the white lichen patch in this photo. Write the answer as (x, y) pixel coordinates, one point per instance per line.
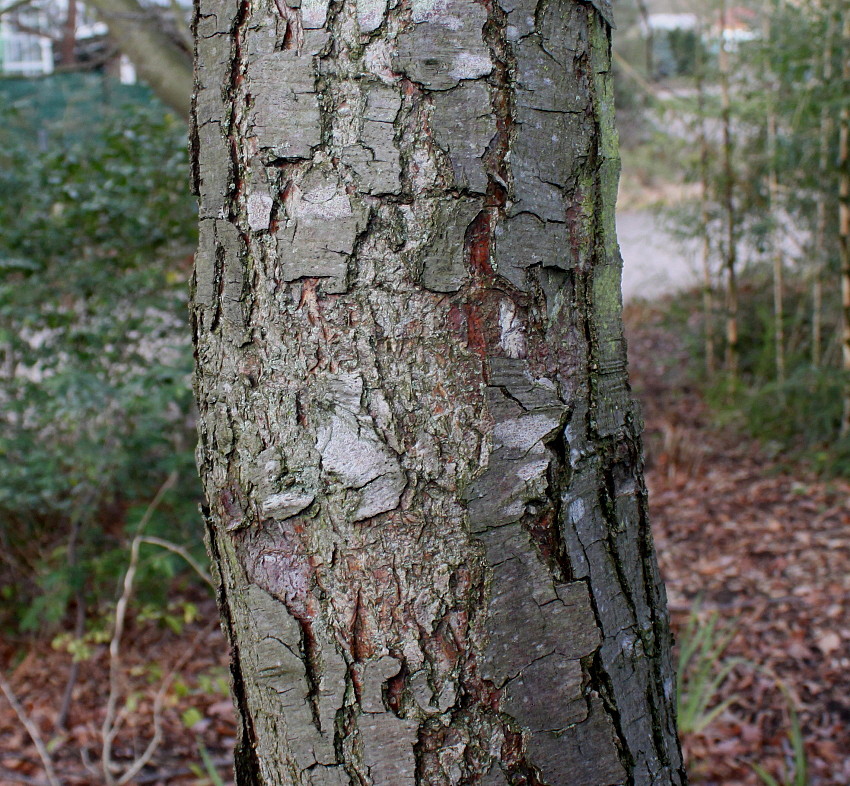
(378, 60)
(287, 504)
(469, 65)
(512, 331)
(259, 211)
(442, 11)
(322, 200)
(370, 14)
(526, 431)
(353, 453)
(314, 14)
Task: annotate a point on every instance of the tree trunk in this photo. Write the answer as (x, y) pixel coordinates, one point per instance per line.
(163, 65)
(705, 217)
(68, 41)
(643, 10)
(730, 252)
(823, 194)
(776, 224)
(419, 449)
(844, 225)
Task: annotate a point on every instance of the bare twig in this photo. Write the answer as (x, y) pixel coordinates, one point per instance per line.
(32, 730)
(80, 623)
(14, 7)
(109, 728)
(145, 757)
(182, 552)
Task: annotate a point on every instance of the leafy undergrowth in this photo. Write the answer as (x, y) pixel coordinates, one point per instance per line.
(768, 552)
(761, 551)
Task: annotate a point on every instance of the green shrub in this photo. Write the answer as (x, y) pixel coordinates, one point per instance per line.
(798, 417)
(95, 358)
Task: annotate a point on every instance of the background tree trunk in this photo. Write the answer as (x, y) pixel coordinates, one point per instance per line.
(730, 250)
(164, 66)
(417, 440)
(844, 225)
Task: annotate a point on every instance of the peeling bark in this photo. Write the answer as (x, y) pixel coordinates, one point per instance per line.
(419, 449)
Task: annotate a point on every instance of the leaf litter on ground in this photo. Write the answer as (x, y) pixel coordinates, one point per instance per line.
(756, 545)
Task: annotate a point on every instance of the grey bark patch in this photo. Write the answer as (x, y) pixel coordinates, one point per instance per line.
(217, 15)
(370, 14)
(524, 432)
(327, 776)
(427, 699)
(377, 159)
(375, 675)
(259, 211)
(495, 777)
(314, 14)
(582, 755)
(445, 45)
(563, 34)
(544, 162)
(542, 82)
(260, 201)
(444, 268)
(214, 77)
(320, 229)
(353, 455)
(233, 306)
(521, 581)
(276, 669)
(516, 476)
(286, 504)
(463, 125)
(504, 496)
(285, 117)
(205, 264)
(531, 392)
(279, 492)
(213, 186)
(547, 695)
(524, 240)
(388, 748)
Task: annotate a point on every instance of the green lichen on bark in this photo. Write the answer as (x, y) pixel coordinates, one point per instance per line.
(416, 437)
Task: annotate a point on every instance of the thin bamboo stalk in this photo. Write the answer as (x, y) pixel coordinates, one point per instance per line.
(730, 251)
(826, 131)
(844, 221)
(708, 285)
(773, 201)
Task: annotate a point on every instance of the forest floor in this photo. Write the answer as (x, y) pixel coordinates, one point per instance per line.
(766, 549)
(763, 547)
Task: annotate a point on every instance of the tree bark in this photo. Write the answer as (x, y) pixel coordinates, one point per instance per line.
(418, 445)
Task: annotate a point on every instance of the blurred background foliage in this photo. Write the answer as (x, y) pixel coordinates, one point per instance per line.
(737, 125)
(97, 228)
